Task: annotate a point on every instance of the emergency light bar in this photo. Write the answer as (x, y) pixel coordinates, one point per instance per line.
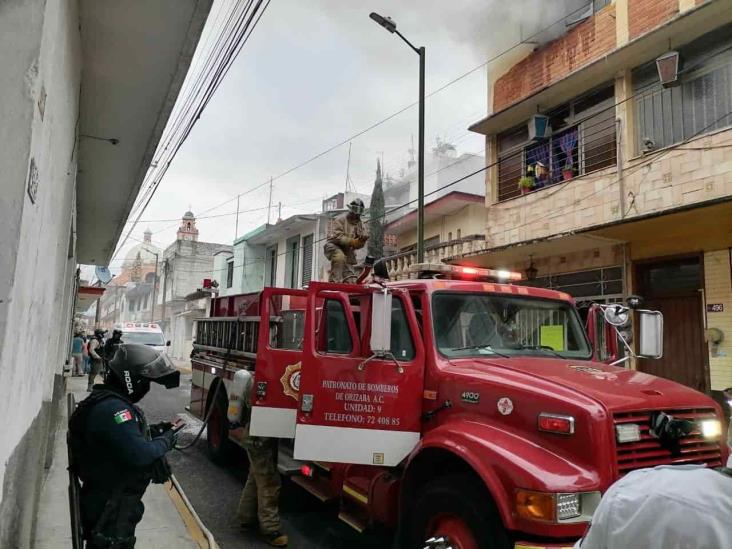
(463, 272)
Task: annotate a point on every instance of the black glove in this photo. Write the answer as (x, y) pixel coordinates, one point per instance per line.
(161, 472)
(158, 429)
(170, 437)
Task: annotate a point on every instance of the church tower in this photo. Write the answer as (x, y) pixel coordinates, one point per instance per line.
(187, 229)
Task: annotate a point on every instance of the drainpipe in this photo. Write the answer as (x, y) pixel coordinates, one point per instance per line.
(619, 161)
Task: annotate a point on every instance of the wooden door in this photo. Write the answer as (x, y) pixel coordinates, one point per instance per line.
(674, 288)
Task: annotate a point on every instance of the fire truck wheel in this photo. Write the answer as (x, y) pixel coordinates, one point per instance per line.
(455, 508)
(217, 432)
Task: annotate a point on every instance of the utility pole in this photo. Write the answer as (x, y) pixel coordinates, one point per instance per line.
(155, 281)
(269, 204)
(279, 212)
(165, 288)
(349, 183)
(391, 26)
(236, 230)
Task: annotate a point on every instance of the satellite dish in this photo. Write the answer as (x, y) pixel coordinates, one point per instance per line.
(103, 274)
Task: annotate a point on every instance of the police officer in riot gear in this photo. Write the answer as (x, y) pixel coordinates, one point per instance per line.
(112, 449)
(110, 346)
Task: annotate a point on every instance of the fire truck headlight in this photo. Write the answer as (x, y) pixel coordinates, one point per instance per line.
(627, 432)
(711, 428)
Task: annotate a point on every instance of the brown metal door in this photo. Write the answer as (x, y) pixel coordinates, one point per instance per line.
(673, 287)
(684, 357)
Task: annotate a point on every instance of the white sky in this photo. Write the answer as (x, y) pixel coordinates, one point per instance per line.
(315, 72)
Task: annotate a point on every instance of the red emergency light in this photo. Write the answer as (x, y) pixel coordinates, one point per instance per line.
(307, 471)
(465, 272)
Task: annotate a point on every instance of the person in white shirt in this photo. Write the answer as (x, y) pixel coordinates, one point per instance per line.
(666, 507)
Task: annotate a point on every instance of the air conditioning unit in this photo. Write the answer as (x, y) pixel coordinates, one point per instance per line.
(539, 127)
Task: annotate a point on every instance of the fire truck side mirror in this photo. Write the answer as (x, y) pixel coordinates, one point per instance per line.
(381, 322)
(650, 328)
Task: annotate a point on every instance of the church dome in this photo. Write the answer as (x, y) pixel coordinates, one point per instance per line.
(146, 251)
(189, 215)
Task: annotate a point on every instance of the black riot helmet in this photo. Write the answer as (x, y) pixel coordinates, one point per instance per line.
(116, 334)
(99, 332)
(134, 366)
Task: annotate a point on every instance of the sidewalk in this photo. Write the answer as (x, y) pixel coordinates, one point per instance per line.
(162, 527)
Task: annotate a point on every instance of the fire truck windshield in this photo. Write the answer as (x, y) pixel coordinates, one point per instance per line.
(478, 324)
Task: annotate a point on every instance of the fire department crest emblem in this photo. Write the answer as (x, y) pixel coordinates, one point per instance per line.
(291, 380)
(505, 406)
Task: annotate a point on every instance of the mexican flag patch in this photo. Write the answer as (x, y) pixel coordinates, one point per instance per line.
(122, 416)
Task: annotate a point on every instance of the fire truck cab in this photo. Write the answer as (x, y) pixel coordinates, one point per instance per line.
(457, 408)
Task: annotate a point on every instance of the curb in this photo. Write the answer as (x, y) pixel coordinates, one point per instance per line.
(200, 534)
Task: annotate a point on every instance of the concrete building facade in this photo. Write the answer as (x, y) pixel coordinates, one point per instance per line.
(634, 191)
(74, 75)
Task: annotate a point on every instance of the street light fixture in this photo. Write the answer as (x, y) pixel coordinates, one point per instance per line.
(391, 26)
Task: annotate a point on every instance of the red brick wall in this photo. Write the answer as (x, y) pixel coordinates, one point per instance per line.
(583, 44)
(646, 15)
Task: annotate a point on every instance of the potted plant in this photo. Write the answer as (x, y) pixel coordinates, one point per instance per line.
(567, 143)
(568, 170)
(527, 182)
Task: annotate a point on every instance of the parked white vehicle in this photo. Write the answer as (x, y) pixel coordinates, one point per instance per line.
(145, 333)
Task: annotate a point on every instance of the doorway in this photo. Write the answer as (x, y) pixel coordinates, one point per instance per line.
(674, 287)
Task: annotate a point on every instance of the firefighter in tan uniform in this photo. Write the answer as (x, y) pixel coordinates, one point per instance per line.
(259, 502)
(346, 236)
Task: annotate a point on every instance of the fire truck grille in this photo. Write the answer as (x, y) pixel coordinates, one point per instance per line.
(648, 452)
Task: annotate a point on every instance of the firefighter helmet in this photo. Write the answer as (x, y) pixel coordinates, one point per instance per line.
(356, 206)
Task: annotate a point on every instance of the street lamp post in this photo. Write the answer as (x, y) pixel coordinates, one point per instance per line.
(390, 25)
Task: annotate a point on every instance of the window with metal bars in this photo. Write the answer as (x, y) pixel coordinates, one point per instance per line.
(230, 273)
(702, 102)
(307, 259)
(583, 141)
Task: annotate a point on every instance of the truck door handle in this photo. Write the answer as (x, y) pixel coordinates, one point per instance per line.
(400, 368)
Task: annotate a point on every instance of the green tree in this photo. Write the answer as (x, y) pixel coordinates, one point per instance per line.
(376, 217)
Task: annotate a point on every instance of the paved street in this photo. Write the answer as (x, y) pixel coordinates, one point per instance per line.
(214, 491)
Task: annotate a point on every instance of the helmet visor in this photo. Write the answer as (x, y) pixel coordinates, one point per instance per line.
(162, 371)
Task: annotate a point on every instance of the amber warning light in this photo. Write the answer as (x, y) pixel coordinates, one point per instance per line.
(463, 272)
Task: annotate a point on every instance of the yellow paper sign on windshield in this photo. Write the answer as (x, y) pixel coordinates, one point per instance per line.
(552, 336)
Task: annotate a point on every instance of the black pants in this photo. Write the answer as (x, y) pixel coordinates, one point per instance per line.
(111, 525)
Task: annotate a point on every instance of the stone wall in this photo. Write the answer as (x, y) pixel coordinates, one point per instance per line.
(718, 290)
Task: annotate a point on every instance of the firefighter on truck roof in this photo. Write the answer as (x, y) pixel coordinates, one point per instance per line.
(347, 235)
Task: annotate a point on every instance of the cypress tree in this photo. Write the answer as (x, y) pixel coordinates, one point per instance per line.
(376, 217)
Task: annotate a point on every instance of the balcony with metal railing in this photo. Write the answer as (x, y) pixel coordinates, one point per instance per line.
(398, 264)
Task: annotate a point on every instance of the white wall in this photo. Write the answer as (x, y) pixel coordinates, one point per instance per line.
(39, 50)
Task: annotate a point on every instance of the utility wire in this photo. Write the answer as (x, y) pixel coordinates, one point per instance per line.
(411, 105)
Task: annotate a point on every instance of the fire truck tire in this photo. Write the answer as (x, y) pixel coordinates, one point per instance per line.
(456, 507)
(217, 432)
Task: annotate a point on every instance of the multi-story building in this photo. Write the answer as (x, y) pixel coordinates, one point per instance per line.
(287, 254)
(184, 265)
(625, 121)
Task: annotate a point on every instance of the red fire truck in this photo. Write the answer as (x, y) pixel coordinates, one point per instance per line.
(457, 408)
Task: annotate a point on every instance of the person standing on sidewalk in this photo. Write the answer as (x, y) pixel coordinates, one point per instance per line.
(77, 354)
(113, 451)
(95, 356)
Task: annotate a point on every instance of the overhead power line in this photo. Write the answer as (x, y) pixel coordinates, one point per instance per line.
(235, 33)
